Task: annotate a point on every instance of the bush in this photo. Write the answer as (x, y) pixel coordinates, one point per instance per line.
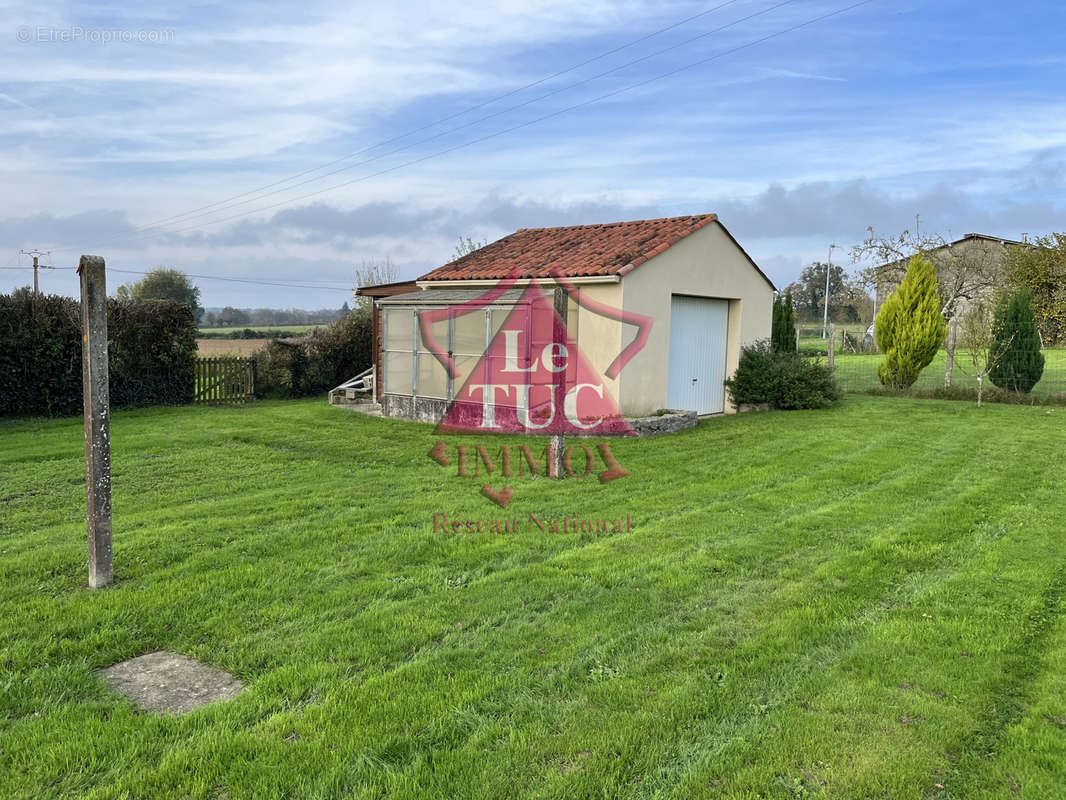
(319, 360)
(1019, 364)
(909, 326)
(781, 380)
(151, 353)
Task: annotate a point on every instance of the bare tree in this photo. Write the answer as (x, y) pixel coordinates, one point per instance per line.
(966, 273)
(372, 272)
(978, 338)
(466, 246)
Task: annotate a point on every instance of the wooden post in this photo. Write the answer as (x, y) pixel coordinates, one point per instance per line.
(558, 441)
(831, 351)
(97, 412)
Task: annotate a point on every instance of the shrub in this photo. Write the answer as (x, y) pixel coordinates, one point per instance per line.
(781, 380)
(1019, 364)
(783, 326)
(909, 326)
(151, 354)
(318, 361)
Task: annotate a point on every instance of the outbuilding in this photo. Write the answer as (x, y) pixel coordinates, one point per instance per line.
(679, 294)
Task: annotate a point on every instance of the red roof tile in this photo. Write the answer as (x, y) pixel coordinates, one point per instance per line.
(611, 249)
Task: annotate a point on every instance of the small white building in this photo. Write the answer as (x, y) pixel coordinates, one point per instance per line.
(702, 294)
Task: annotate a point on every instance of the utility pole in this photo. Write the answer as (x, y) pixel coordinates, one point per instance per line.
(828, 270)
(36, 254)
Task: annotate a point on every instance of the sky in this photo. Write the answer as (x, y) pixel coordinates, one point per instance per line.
(171, 137)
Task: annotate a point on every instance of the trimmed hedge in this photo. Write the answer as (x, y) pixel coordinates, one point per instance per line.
(151, 352)
(317, 361)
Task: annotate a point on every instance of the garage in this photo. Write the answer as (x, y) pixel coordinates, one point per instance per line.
(659, 310)
(699, 331)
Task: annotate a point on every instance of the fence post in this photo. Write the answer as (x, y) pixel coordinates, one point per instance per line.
(831, 352)
(96, 408)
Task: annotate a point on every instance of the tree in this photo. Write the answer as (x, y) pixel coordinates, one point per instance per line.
(372, 272)
(465, 247)
(1040, 265)
(783, 325)
(965, 272)
(230, 317)
(164, 283)
(910, 327)
(848, 300)
(977, 338)
(1021, 364)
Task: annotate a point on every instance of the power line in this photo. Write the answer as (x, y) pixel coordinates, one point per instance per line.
(450, 117)
(259, 195)
(528, 123)
(534, 121)
(325, 286)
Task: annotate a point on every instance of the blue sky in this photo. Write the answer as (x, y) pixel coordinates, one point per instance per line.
(954, 110)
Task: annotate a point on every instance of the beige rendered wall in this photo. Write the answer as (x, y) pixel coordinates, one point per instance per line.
(705, 264)
(600, 338)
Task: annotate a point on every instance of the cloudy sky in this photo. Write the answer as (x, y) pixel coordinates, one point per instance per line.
(177, 141)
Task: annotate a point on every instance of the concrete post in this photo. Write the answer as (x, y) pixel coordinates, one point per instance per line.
(97, 413)
(832, 345)
(558, 441)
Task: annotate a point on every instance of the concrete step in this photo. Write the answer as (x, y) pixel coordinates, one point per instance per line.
(363, 407)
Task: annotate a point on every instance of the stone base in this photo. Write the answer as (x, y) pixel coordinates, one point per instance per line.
(170, 683)
(667, 422)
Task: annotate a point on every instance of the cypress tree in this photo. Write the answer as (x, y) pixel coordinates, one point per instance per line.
(789, 326)
(783, 325)
(1019, 363)
(909, 326)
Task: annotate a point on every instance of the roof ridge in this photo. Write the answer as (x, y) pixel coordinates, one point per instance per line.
(617, 222)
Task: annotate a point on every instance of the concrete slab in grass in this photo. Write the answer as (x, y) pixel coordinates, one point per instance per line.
(170, 683)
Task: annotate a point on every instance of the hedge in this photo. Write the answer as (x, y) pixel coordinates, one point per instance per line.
(151, 350)
(318, 360)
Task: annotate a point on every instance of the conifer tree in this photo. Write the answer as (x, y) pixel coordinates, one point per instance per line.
(783, 325)
(1020, 364)
(789, 328)
(910, 327)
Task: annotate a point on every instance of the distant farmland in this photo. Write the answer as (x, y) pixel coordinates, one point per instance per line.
(272, 329)
(229, 347)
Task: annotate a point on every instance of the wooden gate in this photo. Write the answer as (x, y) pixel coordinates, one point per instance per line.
(225, 380)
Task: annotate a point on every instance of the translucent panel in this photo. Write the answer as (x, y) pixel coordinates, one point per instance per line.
(465, 365)
(399, 372)
(571, 319)
(439, 330)
(470, 333)
(432, 377)
(399, 329)
(500, 316)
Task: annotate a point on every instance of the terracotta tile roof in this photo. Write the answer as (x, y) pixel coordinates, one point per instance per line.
(611, 249)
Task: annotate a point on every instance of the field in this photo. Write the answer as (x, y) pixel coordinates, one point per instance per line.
(229, 347)
(279, 330)
(858, 372)
(861, 602)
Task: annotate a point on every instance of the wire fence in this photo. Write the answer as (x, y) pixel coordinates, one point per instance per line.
(857, 372)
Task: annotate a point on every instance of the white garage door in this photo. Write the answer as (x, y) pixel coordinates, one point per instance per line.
(698, 331)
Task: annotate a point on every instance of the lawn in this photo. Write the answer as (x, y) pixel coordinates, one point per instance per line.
(858, 372)
(861, 602)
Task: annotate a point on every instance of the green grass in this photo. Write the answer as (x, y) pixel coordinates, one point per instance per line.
(860, 602)
(858, 373)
